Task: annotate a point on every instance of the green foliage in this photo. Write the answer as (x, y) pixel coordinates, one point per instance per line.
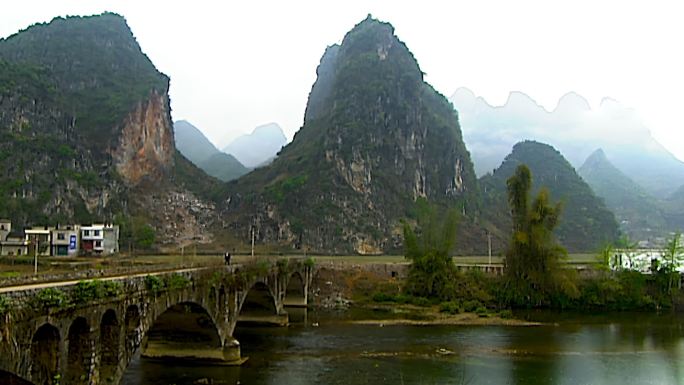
(471, 306)
(177, 281)
(280, 190)
(451, 307)
(533, 273)
(86, 291)
(49, 298)
(506, 314)
(262, 267)
(587, 223)
(154, 284)
(674, 258)
(135, 232)
(432, 270)
(216, 278)
(283, 266)
(309, 263)
(604, 257)
(93, 290)
(5, 305)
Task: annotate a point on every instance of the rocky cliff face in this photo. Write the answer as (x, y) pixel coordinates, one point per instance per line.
(145, 147)
(375, 138)
(86, 130)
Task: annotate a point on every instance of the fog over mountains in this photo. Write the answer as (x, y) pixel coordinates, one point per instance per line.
(574, 128)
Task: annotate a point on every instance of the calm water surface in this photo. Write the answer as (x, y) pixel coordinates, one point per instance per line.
(574, 349)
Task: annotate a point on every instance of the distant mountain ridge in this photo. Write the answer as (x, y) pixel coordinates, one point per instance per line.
(638, 212)
(586, 223)
(258, 147)
(573, 128)
(192, 143)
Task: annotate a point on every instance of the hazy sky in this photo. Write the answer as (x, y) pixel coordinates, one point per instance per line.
(238, 64)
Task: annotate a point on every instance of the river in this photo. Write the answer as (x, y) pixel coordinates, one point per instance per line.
(620, 349)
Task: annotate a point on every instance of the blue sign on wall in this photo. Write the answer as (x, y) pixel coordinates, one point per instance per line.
(72, 242)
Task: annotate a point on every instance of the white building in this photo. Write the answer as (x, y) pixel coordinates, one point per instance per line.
(100, 239)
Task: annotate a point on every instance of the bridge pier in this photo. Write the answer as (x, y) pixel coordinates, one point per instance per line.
(229, 354)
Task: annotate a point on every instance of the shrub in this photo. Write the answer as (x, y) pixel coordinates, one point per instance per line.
(112, 288)
(283, 266)
(154, 283)
(262, 267)
(86, 291)
(176, 281)
(49, 298)
(5, 305)
(451, 307)
(309, 262)
(482, 311)
(506, 314)
(471, 306)
(383, 297)
(420, 301)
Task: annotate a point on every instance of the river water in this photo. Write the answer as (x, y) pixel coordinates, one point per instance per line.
(618, 349)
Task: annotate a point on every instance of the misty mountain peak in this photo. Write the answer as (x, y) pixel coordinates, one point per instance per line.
(270, 130)
(572, 103)
(521, 102)
(258, 147)
(597, 156)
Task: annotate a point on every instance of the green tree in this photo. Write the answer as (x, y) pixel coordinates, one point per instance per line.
(428, 247)
(135, 232)
(674, 257)
(604, 256)
(533, 274)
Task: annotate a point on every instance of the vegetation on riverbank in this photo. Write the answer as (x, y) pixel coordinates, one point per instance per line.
(534, 275)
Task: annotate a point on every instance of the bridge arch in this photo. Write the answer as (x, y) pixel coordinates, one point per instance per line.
(79, 352)
(110, 341)
(184, 330)
(45, 355)
(259, 300)
(132, 326)
(295, 291)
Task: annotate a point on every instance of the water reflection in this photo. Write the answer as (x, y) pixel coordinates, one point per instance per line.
(574, 349)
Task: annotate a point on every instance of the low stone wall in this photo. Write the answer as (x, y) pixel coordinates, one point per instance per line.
(334, 283)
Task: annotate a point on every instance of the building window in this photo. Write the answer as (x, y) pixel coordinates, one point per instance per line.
(60, 236)
(98, 243)
(86, 233)
(97, 233)
(2, 227)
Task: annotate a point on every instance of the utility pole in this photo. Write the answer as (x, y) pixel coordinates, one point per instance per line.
(253, 241)
(489, 244)
(35, 259)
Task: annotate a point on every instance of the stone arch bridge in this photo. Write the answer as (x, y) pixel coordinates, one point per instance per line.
(191, 316)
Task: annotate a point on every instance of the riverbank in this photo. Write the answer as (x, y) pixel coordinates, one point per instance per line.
(409, 315)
